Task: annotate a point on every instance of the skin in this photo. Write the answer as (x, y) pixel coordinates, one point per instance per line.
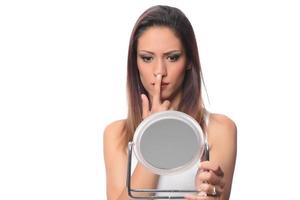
(157, 64)
(160, 52)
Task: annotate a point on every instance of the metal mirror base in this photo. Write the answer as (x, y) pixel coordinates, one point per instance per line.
(131, 190)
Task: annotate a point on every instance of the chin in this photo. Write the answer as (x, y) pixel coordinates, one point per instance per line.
(166, 96)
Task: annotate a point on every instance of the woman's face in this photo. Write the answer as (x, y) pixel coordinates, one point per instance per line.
(159, 51)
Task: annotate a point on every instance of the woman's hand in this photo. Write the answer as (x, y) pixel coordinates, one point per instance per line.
(157, 105)
(209, 182)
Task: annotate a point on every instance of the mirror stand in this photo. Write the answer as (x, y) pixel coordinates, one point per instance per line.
(130, 190)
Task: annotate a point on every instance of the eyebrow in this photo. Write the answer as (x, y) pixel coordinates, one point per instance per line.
(167, 53)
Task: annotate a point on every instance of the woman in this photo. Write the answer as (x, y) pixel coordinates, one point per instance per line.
(163, 73)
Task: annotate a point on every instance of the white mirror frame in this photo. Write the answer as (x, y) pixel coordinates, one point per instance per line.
(156, 117)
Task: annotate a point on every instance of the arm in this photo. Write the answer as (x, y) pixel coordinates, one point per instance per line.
(223, 137)
(115, 158)
(216, 174)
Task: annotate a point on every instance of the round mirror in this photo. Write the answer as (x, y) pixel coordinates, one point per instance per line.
(168, 142)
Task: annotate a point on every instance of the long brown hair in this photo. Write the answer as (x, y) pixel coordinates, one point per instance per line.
(191, 102)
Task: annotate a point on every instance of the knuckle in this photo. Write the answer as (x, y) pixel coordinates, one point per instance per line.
(215, 167)
(200, 177)
(209, 176)
(206, 187)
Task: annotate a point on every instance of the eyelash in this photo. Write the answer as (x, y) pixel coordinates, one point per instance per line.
(146, 58)
(172, 58)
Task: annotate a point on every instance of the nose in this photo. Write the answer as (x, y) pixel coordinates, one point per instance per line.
(160, 68)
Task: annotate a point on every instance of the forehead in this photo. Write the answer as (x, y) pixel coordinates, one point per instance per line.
(159, 38)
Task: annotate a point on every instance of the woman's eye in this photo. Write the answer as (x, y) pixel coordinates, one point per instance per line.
(173, 58)
(146, 58)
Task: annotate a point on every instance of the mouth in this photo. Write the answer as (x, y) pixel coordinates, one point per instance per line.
(162, 84)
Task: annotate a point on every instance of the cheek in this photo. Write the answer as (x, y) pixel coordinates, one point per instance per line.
(179, 70)
(180, 79)
(144, 76)
(179, 74)
(143, 80)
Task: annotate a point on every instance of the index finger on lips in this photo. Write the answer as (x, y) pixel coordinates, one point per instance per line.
(156, 94)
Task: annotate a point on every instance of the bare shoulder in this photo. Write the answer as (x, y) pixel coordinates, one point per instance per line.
(115, 126)
(221, 128)
(221, 121)
(114, 129)
(113, 139)
(114, 134)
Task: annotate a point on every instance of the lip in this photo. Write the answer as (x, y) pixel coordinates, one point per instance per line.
(162, 84)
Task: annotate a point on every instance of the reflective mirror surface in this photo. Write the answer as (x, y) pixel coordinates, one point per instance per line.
(168, 142)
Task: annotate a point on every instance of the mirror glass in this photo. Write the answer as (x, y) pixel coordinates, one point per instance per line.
(168, 142)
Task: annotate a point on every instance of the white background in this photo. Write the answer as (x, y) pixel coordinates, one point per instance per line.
(62, 80)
